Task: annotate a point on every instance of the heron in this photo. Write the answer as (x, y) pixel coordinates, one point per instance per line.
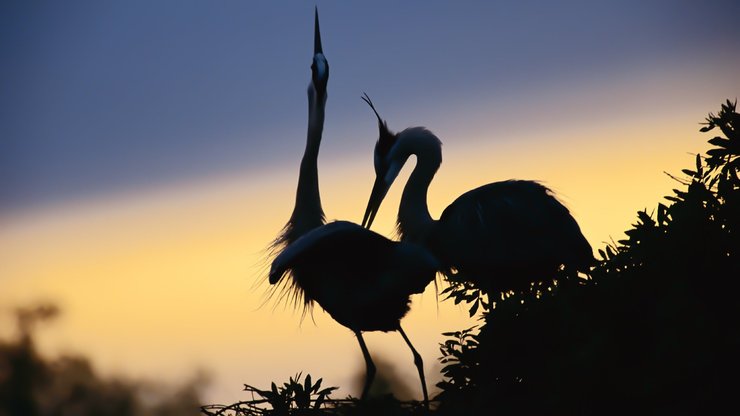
(362, 279)
(501, 236)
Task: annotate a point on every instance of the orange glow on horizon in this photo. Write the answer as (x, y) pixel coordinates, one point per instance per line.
(159, 282)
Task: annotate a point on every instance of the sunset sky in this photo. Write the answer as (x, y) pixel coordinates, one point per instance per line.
(149, 153)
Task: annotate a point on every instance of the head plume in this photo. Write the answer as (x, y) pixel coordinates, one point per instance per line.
(386, 139)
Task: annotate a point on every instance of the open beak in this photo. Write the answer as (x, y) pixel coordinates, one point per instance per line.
(380, 188)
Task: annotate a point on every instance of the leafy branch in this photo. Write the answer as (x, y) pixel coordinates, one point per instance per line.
(292, 398)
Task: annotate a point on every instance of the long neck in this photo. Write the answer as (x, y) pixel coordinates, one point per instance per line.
(414, 220)
(307, 212)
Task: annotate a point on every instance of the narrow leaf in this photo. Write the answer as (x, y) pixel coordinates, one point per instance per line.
(474, 308)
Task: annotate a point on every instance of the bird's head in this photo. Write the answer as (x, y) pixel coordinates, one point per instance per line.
(386, 168)
(320, 66)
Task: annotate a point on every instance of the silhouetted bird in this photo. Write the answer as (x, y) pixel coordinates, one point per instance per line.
(501, 236)
(307, 213)
(362, 279)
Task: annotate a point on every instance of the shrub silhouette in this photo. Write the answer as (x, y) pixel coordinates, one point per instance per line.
(652, 329)
(31, 384)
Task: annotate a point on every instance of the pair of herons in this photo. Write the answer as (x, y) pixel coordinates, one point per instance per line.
(501, 236)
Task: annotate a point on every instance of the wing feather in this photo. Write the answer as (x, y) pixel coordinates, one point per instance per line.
(510, 222)
(339, 234)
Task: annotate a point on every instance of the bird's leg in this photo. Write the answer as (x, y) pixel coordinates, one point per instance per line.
(370, 373)
(419, 366)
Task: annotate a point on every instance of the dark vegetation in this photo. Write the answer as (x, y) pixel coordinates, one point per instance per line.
(32, 385)
(652, 329)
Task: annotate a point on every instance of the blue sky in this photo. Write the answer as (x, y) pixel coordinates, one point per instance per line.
(107, 96)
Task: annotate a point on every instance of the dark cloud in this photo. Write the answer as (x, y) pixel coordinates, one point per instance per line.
(99, 97)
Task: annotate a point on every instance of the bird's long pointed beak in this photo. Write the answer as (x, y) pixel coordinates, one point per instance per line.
(380, 188)
(320, 66)
(316, 34)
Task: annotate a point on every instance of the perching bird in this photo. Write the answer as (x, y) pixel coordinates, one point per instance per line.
(501, 236)
(362, 279)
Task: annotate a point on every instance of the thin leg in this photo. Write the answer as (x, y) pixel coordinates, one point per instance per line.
(419, 366)
(370, 374)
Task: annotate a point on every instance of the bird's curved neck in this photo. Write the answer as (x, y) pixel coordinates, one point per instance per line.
(307, 212)
(414, 220)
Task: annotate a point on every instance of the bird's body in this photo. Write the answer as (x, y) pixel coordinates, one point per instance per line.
(514, 230)
(501, 236)
(362, 279)
(373, 297)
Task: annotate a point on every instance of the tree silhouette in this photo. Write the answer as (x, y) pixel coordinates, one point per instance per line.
(33, 385)
(652, 329)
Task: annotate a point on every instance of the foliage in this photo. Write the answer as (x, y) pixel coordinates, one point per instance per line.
(653, 327)
(459, 360)
(33, 385)
(292, 398)
(296, 398)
